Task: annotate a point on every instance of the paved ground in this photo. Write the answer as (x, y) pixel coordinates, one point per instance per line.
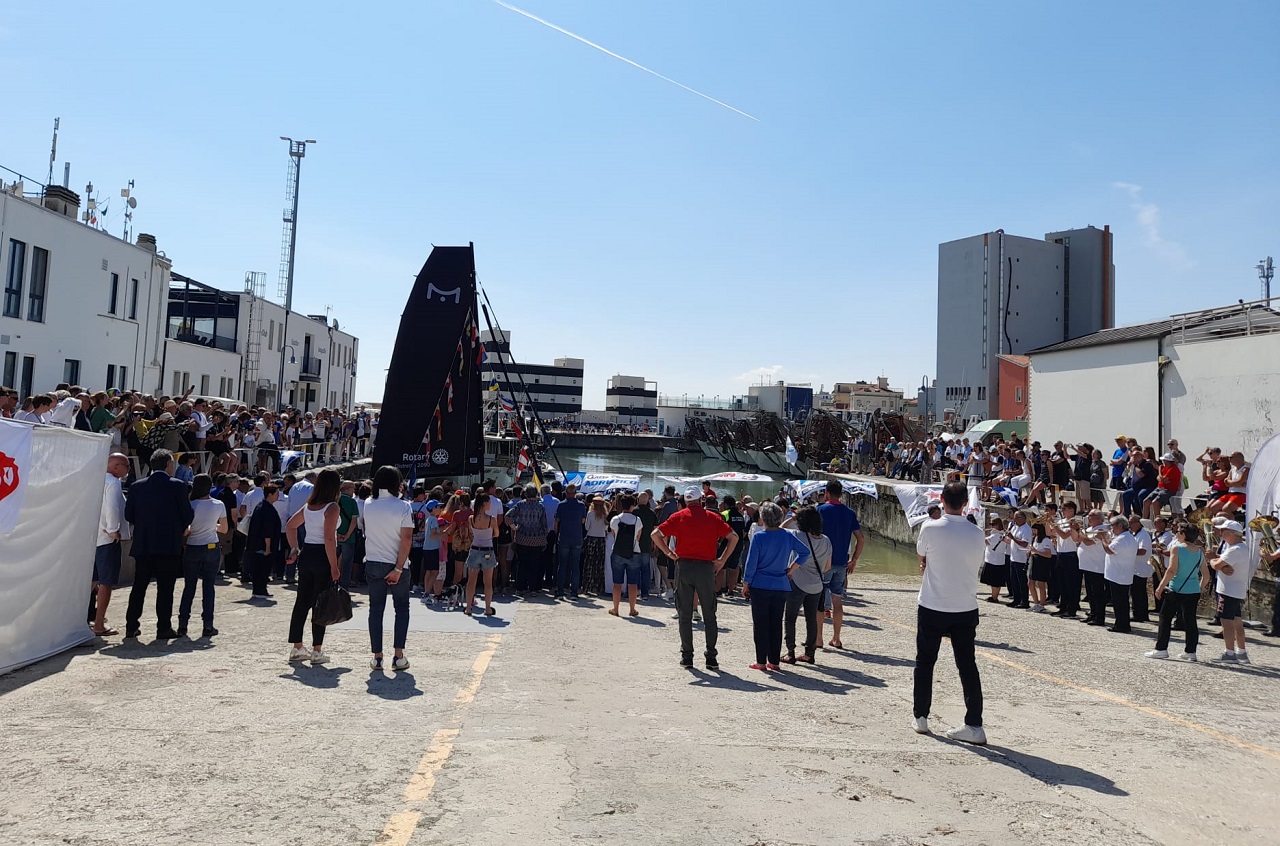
(569, 725)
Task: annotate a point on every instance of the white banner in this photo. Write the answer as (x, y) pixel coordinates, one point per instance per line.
(1263, 496)
(717, 477)
(805, 488)
(916, 500)
(601, 483)
(15, 464)
(46, 564)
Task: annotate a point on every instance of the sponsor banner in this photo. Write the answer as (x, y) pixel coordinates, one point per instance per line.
(15, 465)
(602, 483)
(805, 488)
(717, 477)
(916, 500)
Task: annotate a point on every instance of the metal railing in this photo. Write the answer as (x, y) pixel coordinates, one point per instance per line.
(1234, 321)
(250, 459)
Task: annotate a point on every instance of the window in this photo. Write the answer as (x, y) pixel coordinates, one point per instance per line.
(113, 299)
(982, 393)
(10, 368)
(1017, 393)
(13, 280)
(39, 284)
(181, 381)
(204, 384)
(133, 299)
(111, 376)
(71, 371)
(124, 378)
(271, 336)
(28, 375)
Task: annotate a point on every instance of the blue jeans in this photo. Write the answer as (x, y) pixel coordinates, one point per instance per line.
(198, 563)
(347, 559)
(646, 571)
(569, 573)
(376, 577)
(625, 569)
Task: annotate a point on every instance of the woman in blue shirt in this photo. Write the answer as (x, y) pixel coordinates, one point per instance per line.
(773, 555)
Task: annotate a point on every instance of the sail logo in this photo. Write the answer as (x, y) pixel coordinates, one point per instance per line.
(440, 456)
(433, 292)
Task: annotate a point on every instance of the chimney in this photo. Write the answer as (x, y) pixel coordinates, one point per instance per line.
(62, 200)
(147, 242)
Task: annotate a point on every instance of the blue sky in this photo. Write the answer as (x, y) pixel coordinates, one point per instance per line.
(623, 220)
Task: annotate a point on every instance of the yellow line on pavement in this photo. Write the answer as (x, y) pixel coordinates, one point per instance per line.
(422, 782)
(1110, 697)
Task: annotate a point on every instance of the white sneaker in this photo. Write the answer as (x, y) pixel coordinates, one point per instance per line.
(429, 599)
(1039, 609)
(400, 663)
(969, 734)
(1242, 657)
(302, 654)
(1157, 653)
(1188, 656)
(375, 664)
(319, 656)
(920, 725)
(1227, 657)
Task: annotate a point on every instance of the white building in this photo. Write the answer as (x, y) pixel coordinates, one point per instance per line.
(84, 307)
(1209, 378)
(1005, 294)
(631, 400)
(78, 306)
(555, 389)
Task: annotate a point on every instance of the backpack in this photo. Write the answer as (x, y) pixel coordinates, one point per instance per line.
(624, 545)
(463, 535)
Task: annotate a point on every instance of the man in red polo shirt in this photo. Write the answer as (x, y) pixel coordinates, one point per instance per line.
(696, 532)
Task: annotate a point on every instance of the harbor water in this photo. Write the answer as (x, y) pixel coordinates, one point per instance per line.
(878, 556)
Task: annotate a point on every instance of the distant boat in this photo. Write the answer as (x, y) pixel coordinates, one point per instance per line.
(671, 449)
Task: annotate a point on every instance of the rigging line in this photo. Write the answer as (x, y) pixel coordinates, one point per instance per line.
(608, 52)
(487, 308)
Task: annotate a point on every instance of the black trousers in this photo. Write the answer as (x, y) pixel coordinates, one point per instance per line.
(259, 568)
(529, 567)
(314, 576)
(809, 603)
(234, 558)
(1018, 595)
(962, 628)
(1171, 606)
(1095, 593)
(1138, 599)
(1069, 580)
(1120, 603)
(165, 569)
(767, 608)
(550, 562)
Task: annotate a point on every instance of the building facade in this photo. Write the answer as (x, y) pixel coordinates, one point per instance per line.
(782, 399)
(84, 307)
(554, 389)
(1206, 378)
(1013, 395)
(632, 400)
(1004, 294)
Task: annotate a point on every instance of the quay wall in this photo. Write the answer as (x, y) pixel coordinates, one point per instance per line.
(628, 443)
(885, 519)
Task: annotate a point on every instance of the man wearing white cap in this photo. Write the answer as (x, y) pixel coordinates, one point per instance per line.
(1234, 569)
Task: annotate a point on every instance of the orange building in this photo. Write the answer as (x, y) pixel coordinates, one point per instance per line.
(1013, 399)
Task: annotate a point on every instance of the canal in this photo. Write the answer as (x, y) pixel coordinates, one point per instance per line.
(878, 556)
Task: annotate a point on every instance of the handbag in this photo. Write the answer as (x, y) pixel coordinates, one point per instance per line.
(333, 606)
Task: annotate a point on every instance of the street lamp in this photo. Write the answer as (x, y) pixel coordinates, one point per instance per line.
(297, 150)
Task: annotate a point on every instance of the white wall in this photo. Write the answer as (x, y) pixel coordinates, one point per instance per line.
(1223, 393)
(77, 324)
(200, 361)
(1095, 393)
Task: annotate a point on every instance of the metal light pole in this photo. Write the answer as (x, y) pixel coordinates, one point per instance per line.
(297, 151)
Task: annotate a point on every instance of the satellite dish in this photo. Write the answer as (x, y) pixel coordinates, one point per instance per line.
(133, 202)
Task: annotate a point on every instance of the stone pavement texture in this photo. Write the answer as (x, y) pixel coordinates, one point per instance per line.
(569, 725)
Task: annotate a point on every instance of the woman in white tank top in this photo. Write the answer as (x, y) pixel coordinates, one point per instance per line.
(317, 561)
(481, 558)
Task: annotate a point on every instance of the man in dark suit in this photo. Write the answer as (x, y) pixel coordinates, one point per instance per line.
(159, 507)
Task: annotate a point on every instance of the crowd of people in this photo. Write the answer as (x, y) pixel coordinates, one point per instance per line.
(230, 438)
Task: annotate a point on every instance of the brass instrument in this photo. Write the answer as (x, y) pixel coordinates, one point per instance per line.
(1265, 525)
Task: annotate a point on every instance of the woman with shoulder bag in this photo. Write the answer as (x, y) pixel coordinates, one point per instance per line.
(807, 586)
(317, 561)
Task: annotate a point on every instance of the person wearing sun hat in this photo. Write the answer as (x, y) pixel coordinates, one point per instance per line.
(1119, 461)
(1233, 567)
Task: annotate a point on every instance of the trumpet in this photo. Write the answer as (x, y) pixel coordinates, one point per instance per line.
(1265, 525)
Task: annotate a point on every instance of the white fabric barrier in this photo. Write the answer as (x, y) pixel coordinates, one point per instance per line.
(46, 564)
(1263, 492)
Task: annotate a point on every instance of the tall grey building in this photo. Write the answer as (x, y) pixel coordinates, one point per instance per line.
(1005, 294)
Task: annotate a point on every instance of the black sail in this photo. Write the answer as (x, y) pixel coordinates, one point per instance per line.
(430, 423)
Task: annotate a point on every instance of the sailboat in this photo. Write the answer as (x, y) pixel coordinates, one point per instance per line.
(430, 423)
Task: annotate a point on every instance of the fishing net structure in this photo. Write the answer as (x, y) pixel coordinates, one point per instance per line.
(883, 426)
(821, 436)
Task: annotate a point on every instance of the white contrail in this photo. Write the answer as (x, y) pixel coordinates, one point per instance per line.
(608, 52)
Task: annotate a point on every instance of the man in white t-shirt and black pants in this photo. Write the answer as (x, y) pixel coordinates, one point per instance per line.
(1233, 568)
(948, 549)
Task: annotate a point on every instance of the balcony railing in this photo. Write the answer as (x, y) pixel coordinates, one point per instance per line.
(309, 369)
(215, 341)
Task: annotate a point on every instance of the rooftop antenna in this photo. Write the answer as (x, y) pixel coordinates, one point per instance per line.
(1265, 273)
(53, 150)
(131, 203)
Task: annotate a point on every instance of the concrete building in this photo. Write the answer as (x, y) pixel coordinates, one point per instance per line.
(1207, 378)
(1013, 394)
(674, 410)
(632, 400)
(79, 306)
(555, 389)
(82, 306)
(784, 400)
(1005, 294)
